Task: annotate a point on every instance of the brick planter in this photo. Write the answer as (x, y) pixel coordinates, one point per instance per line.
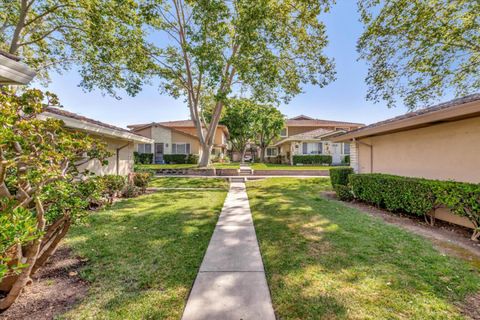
(313, 173)
(227, 172)
(186, 172)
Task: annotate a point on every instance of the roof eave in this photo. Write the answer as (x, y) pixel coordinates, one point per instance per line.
(14, 72)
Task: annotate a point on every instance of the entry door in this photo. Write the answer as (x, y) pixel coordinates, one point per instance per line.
(336, 153)
(158, 152)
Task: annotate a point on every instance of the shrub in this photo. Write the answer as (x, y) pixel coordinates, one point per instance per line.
(141, 180)
(130, 191)
(346, 160)
(418, 196)
(112, 186)
(192, 159)
(344, 193)
(175, 158)
(339, 175)
(312, 159)
(143, 158)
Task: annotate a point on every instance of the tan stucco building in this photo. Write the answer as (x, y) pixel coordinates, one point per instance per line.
(120, 142)
(176, 137)
(439, 142)
(304, 135)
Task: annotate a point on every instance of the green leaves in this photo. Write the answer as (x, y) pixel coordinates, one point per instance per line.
(420, 50)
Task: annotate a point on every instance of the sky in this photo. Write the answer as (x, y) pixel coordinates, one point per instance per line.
(342, 100)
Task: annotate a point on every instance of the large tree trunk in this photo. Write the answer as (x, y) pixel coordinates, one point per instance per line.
(243, 152)
(262, 154)
(206, 154)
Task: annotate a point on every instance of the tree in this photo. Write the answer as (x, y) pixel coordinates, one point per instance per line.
(240, 120)
(267, 48)
(104, 38)
(269, 122)
(419, 50)
(38, 196)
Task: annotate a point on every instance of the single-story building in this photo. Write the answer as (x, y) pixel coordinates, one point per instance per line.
(439, 142)
(176, 137)
(120, 142)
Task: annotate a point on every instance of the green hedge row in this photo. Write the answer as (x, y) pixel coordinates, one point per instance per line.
(418, 196)
(312, 159)
(339, 175)
(181, 158)
(143, 158)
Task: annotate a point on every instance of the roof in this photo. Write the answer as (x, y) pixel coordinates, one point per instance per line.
(93, 125)
(12, 71)
(456, 109)
(317, 134)
(304, 121)
(175, 125)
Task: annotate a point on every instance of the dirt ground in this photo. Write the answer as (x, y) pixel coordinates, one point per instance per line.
(55, 289)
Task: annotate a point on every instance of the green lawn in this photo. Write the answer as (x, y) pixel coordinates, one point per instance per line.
(174, 182)
(325, 260)
(144, 253)
(232, 165)
(271, 166)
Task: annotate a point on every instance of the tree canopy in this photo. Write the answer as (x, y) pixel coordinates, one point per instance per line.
(105, 39)
(420, 50)
(269, 122)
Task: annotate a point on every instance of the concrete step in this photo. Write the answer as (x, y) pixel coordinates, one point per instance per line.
(238, 179)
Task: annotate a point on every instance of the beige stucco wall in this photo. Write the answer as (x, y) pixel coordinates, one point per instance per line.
(125, 158)
(182, 138)
(162, 135)
(218, 134)
(442, 151)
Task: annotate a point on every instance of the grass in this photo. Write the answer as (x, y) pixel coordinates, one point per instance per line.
(271, 166)
(231, 165)
(325, 260)
(143, 254)
(174, 182)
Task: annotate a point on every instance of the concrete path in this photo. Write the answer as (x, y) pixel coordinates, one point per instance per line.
(231, 283)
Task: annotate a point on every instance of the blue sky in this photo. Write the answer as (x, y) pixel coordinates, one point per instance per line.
(342, 100)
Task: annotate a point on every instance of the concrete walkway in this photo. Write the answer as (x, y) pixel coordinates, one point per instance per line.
(231, 283)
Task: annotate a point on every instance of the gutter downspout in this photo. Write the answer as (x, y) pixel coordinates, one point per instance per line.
(117, 164)
(371, 152)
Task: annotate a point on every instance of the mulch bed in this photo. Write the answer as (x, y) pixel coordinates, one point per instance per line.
(55, 289)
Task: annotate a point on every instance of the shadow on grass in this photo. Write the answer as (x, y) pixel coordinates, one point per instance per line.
(326, 260)
(143, 254)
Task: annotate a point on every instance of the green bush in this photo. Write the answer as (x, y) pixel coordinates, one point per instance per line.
(175, 158)
(192, 159)
(141, 180)
(143, 158)
(346, 160)
(339, 175)
(344, 193)
(112, 186)
(418, 196)
(312, 159)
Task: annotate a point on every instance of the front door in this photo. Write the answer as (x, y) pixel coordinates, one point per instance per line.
(336, 153)
(158, 152)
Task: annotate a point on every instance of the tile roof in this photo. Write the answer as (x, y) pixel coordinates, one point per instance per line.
(304, 121)
(177, 123)
(76, 116)
(423, 111)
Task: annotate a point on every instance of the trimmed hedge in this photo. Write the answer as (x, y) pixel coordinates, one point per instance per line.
(343, 192)
(192, 159)
(346, 160)
(339, 175)
(312, 159)
(143, 158)
(418, 196)
(175, 158)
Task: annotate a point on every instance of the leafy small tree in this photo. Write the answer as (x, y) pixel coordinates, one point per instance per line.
(269, 121)
(39, 160)
(419, 50)
(239, 118)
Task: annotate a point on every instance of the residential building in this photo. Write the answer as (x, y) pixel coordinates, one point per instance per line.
(120, 142)
(439, 142)
(176, 137)
(12, 71)
(304, 135)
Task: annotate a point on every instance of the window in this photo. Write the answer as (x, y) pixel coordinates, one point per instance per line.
(272, 152)
(144, 148)
(346, 148)
(180, 148)
(283, 132)
(312, 148)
